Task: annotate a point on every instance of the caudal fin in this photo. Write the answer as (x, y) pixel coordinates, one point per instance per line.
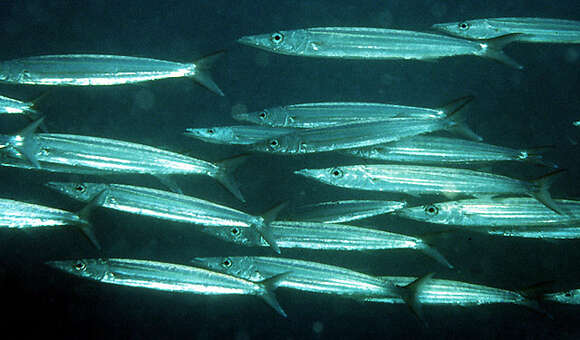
(85, 225)
(267, 293)
(25, 143)
(264, 229)
(225, 175)
(542, 194)
(202, 75)
(494, 49)
(410, 293)
(457, 119)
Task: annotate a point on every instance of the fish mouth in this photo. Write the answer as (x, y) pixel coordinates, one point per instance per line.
(246, 40)
(198, 261)
(303, 172)
(241, 116)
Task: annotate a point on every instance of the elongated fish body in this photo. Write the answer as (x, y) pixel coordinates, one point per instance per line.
(533, 30)
(303, 275)
(12, 106)
(165, 277)
(97, 70)
(158, 204)
(371, 43)
(437, 150)
(420, 179)
(235, 135)
(349, 136)
(345, 211)
(456, 293)
(570, 297)
(496, 212)
(326, 236)
(319, 115)
(102, 156)
(20, 215)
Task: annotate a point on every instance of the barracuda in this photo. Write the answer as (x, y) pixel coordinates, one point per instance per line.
(354, 135)
(319, 115)
(456, 293)
(345, 211)
(97, 70)
(170, 277)
(326, 236)
(21, 215)
(534, 30)
(569, 297)
(420, 180)
(102, 156)
(314, 277)
(235, 135)
(376, 43)
(517, 217)
(168, 206)
(437, 150)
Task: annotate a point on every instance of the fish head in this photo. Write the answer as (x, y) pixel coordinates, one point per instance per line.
(285, 42)
(239, 266)
(469, 29)
(212, 134)
(95, 269)
(80, 191)
(274, 117)
(239, 235)
(290, 143)
(439, 213)
(342, 176)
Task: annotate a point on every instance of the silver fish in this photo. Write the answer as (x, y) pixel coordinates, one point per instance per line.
(167, 206)
(456, 293)
(517, 216)
(419, 180)
(169, 277)
(313, 277)
(96, 70)
(353, 136)
(21, 215)
(437, 150)
(102, 156)
(318, 115)
(534, 30)
(326, 236)
(345, 211)
(235, 135)
(375, 43)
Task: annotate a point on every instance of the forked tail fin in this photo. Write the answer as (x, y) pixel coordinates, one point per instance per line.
(410, 293)
(494, 49)
(85, 225)
(225, 175)
(541, 192)
(267, 293)
(25, 144)
(202, 75)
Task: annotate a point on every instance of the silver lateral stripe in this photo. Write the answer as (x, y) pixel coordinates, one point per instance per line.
(345, 211)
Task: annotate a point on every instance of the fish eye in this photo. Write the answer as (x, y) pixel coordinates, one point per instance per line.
(262, 115)
(431, 210)
(235, 231)
(211, 131)
(336, 172)
(274, 144)
(277, 38)
(80, 188)
(568, 294)
(463, 26)
(226, 263)
(80, 266)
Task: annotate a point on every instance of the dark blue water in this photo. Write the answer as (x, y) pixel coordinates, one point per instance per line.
(514, 108)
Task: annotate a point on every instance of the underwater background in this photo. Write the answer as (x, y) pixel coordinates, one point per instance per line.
(533, 107)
